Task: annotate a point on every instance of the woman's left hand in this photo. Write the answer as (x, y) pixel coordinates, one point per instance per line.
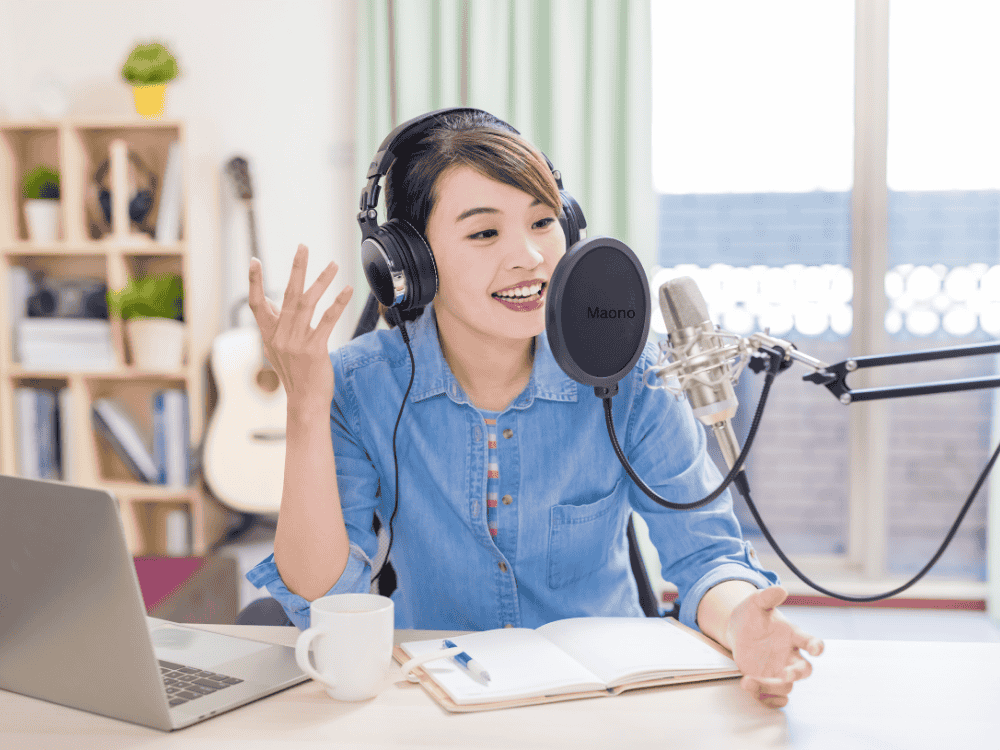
(766, 647)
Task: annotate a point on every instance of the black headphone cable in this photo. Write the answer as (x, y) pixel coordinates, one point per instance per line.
(393, 318)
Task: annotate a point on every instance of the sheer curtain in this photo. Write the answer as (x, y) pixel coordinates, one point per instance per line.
(572, 75)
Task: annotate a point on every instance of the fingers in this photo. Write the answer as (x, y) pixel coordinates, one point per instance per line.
(263, 309)
(333, 313)
(297, 278)
(800, 639)
(772, 596)
(256, 284)
(774, 691)
(321, 283)
(772, 696)
(307, 302)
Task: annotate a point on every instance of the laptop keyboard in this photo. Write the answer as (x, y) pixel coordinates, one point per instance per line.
(187, 683)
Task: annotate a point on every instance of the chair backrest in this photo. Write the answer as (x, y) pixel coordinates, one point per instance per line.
(647, 599)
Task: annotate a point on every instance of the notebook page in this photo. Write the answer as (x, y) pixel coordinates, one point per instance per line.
(619, 649)
(520, 663)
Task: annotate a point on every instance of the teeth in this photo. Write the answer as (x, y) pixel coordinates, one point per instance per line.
(521, 291)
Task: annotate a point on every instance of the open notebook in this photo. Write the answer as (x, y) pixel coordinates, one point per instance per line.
(580, 657)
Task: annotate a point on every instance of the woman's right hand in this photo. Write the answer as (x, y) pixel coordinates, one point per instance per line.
(298, 352)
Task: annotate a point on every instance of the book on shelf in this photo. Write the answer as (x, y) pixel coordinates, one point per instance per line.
(65, 344)
(113, 423)
(20, 290)
(171, 437)
(67, 451)
(579, 657)
(168, 218)
(37, 433)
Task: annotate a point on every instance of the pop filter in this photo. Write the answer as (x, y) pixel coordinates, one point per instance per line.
(597, 312)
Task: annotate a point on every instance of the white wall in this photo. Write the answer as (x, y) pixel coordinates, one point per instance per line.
(272, 81)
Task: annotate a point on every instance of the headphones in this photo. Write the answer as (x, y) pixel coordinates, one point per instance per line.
(140, 203)
(396, 258)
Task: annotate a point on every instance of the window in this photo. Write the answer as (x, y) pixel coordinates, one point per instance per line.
(756, 122)
(943, 280)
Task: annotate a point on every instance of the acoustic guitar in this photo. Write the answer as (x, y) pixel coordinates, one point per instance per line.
(244, 456)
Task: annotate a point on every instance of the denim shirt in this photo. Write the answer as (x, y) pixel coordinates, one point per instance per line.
(561, 548)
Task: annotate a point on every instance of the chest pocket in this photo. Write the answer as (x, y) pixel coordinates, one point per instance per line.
(580, 537)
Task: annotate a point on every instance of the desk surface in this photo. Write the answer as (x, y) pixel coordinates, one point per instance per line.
(862, 694)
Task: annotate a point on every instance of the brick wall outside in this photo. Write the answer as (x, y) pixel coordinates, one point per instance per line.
(798, 467)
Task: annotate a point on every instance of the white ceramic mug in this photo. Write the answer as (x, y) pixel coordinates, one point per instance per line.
(351, 639)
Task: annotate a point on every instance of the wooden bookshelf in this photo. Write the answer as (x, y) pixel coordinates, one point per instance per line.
(84, 249)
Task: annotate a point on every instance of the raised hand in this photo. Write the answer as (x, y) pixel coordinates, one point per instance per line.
(297, 351)
(766, 647)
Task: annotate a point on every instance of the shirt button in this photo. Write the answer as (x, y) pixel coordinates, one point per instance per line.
(508, 433)
(503, 567)
(477, 433)
(509, 625)
(507, 499)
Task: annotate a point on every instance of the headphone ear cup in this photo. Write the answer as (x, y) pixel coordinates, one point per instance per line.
(138, 207)
(572, 219)
(397, 249)
(104, 200)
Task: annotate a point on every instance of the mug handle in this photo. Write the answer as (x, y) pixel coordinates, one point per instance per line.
(302, 645)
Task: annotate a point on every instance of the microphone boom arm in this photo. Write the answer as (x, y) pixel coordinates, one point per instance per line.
(834, 376)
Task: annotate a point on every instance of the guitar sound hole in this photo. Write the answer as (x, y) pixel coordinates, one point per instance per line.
(268, 380)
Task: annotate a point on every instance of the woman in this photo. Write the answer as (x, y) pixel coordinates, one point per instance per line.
(512, 504)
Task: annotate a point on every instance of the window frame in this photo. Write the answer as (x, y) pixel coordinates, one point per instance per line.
(862, 569)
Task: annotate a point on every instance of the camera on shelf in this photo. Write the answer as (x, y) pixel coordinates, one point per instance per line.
(67, 298)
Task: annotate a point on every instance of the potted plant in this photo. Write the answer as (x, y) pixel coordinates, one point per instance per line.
(40, 189)
(148, 69)
(152, 308)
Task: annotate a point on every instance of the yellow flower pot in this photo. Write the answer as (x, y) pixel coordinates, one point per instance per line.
(150, 100)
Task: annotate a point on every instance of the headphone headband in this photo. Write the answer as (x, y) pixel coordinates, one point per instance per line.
(397, 141)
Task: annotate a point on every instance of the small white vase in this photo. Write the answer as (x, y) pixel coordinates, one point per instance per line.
(42, 216)
(157, 344)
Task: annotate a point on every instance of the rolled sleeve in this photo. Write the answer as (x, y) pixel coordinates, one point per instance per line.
(356, 579)
(746, 570)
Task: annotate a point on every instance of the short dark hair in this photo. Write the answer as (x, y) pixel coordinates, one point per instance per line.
(471, 139)
(474, 139)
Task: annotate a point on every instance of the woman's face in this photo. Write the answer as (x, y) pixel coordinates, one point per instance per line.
(495, 247)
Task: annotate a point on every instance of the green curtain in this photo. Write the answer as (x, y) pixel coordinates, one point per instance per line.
(572, 75)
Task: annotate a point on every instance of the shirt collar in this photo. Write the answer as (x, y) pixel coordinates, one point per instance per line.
(433, 375)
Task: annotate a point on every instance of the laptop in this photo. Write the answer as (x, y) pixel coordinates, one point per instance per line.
(74, 630)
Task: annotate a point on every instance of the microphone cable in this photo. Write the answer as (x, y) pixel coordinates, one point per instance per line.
(393, 318)
(735, 474)
(917, 577)
(775, 364)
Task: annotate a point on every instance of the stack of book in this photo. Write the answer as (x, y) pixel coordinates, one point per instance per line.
(65, 344)
(168, 460)
(41, 430)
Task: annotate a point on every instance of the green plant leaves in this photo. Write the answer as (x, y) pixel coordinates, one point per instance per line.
(156, 296)
(149, 64)
(41, 182)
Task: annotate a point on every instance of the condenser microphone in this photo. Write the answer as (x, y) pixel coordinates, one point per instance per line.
(705, 373)
(597, 312)
(597, 315)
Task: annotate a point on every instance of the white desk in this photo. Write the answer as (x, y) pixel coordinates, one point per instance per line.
(876, 695)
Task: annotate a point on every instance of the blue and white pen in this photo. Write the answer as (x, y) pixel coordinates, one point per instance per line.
(467, 663)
